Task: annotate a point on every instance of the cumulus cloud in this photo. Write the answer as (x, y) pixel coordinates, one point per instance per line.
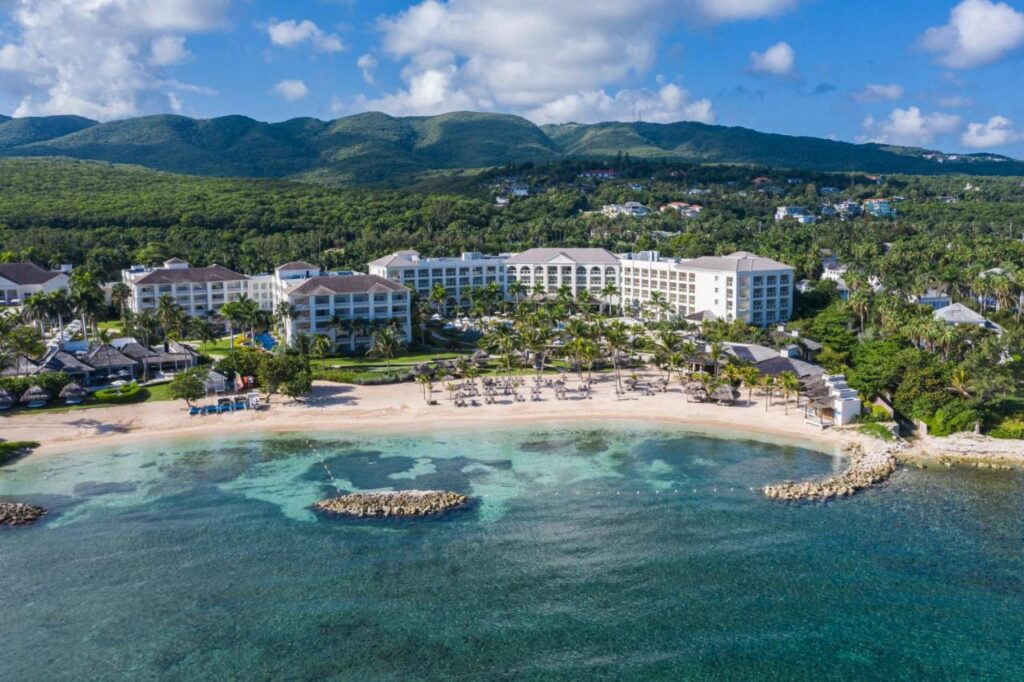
(879, 93)
(367, 63)
(292, 33)
(979, 32)
(909, 126)
(670, 103)
(998, 131)
(100, 58)
(168, 49)
(536, 55)
(291, 90)
(777, 60)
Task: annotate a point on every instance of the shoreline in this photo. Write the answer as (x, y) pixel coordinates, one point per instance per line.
(400, 408)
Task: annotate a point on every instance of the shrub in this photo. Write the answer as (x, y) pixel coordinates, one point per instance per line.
(9, 450)
(876, 430)
(51, 382)
(130, 393)
(362, 378)
(953, 417)
(874, 415)
(1011, 427)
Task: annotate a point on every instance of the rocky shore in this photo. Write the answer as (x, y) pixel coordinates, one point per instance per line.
(867, 467)
(967, 449)
(400, 503)
(17, 514)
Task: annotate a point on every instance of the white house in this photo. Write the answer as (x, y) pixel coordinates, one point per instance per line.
(783, 212)
(630, 209)
(20, 280)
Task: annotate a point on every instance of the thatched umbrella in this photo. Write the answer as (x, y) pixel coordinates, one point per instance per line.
(481, 358)
(694, 386)
(35, 397)
(725, 395)
(700, 395)
(72, 394)
(6, 400)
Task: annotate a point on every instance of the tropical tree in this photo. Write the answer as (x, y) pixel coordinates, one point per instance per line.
(790, 385)
(385, 344)
(189, 385)
(120, 294)
(322, 344)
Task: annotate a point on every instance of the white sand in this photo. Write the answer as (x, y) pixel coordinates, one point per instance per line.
(401, 408)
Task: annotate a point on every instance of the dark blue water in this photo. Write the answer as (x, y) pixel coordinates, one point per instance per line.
(590, 553)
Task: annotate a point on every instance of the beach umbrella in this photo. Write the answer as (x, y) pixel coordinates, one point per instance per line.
(725, 394)
(700, 395)
(693, 387)
(35, 395)
(6, 399)
(72, 393)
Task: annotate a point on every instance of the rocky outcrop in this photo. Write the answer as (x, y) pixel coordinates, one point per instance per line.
(968, 449)
(400, 503)
(17, 514)
(867, 468)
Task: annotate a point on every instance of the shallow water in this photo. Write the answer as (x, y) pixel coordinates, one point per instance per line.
(624, 553)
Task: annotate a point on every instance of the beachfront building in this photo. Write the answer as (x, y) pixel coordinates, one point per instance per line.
(459, 276)
(740, 286)
(20, 280)
(346, 307)
(580, 270)
(199, 291)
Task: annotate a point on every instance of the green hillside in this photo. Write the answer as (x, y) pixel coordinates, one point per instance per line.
(374, 148)
(16, 132)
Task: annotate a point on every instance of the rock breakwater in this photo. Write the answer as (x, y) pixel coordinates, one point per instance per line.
(18, 514)
(398, 503)
(867, 468)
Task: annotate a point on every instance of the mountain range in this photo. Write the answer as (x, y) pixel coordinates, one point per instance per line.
(374, 148)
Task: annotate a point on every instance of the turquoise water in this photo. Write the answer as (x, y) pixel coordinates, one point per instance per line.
(590, 553)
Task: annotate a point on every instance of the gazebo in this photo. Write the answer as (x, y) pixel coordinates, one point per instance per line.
(35, 397)
(73, 394)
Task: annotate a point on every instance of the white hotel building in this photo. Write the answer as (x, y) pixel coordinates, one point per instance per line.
(579, 269)
(459, 276)
(741, 286)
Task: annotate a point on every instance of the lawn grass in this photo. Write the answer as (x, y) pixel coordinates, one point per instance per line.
(155, 393)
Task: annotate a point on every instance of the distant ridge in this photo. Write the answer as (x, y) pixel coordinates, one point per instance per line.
(374, 148)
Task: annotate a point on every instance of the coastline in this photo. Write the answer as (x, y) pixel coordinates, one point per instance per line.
(400, 408)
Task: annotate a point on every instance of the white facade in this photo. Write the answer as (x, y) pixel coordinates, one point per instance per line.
(630, 209)
(459, 276)
(579, 269)
(199, 291)
(740, 286)
(846, 403)
(20, 280)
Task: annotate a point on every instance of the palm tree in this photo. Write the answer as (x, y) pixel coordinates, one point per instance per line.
(617, 340)
(426, 385)
(385, 344)
(439, 297)
(86, 297)
(284, 312)
(120, 294)
(766, 383)
(322, 345)
(790, 386)
(169, 313)
(233, 315)
(608, 292)
(36, 308)
(749, 376)
(303, 344)
(658, 303)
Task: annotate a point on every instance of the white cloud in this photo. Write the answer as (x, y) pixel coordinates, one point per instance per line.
(367, 63)
(292, 33)
(777, 60)
(670, 103)
(168, 49)
(955, 102)
(536, 55)
(879, 93)
(979, 32)
(291, 90)
(99, 58)
(998, 131)
(909, 127)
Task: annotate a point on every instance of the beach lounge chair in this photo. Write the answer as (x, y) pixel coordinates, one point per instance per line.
(194, 410)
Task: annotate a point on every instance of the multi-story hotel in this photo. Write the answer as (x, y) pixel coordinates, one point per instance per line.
(740, 286)
(199, 291)
(459, 276)
(579, 269)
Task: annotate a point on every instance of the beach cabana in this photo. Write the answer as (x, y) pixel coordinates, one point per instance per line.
(73, 394)
(35, 397)
(725, 395)
(6, 400)
(215, 382)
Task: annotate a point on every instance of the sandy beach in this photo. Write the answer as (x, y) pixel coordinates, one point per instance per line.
(401, 408)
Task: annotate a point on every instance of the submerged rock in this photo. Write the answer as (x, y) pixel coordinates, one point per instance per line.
(18, 514)
(401, 503)
(866, 469)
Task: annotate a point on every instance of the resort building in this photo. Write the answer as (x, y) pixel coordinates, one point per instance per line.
(459, 276)
(199, 291)
(20, 280)
(630, 209)
(740, 286)
(581, 270)
(880, 208)
(347, 308)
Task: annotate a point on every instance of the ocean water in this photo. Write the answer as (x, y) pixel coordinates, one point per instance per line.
(590, 552)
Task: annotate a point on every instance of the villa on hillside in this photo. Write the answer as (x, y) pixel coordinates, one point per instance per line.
(20, 280)
(630, 209)
(958, 314)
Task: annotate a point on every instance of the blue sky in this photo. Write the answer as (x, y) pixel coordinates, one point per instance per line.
(934, 73)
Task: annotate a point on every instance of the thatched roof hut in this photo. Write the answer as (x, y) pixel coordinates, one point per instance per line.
(35, 395)
(694, 386)
(73, 394)
(725, 395)
(6, 399)
(480, 357)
